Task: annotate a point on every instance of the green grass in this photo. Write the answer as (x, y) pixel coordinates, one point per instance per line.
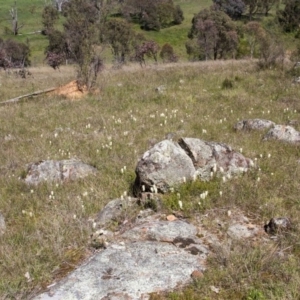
(43, 237)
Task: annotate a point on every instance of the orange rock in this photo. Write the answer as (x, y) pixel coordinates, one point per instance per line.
(197, 274)
(171, 218)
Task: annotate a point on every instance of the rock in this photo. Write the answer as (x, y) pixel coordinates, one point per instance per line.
(254, 124)
(171, 218)
(129, 270)
(241, 231)
(211, 157)
(2, 224)
(197, 274)
(277, 225)
(283, 133)
(168, 163)
(163, 166)
(113, 210)
(59, 171)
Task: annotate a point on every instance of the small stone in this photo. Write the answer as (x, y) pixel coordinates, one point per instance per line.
(277, 225)
(171, 218)
(197, 274)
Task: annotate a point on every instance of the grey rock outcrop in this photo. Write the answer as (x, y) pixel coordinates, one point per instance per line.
(253, 124)
(283, 133)
(152, 257)
(210, 157)
(163, 166)
(169, 163)
(59, 171)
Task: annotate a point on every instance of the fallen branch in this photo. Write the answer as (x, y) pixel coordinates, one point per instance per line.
(17, 99)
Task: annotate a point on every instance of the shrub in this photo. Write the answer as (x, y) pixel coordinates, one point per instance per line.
(167, 54)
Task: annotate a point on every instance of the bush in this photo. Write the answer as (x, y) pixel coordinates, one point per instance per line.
(227, 84)
(167, 54)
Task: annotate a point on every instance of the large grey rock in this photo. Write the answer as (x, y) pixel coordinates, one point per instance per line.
(210, 157)
(283, 133)
(154, 256)
(253, 124)
(163, 166)
(59, 171)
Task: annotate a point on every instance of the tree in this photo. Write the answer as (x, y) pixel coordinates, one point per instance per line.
(152, 15)
(233, 8)
(81, 31)
(14, 54)
(267, 5)
(121, 38)
(167, 54)
(146, 48)
(49, 17)
(14, 19)
(289, 17)
(215, 34)
(253, 33)
(59, 4)
(252, 7)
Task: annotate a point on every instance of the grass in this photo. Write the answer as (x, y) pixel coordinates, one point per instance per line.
(29, 13)
(48, 236)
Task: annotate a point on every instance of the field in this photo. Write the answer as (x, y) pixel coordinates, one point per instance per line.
(48, 226)
(43, 237)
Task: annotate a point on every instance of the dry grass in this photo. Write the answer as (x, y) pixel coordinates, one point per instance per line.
(47, 237)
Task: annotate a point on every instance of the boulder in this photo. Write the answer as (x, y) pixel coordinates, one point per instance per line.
(163, 166)
(210, 157)
(253, 124)
(152, 257)
(59, 171)
(283, 133)
(169, 163)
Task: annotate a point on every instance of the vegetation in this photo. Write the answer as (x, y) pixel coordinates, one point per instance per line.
(48, 225)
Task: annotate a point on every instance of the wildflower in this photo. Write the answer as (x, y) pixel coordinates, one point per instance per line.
(221, 170)
(84, 194)
(258, 179)
(241, 150)
(31, 191)
(143, 188)
(55, 134)
(211, 174)
(180, 204)
(215, 168)
(228, 213)
(221, 193)
(224, 179)
(74, 216)
(30, 214)
(269, 155)
(184, 179)
(204, 131)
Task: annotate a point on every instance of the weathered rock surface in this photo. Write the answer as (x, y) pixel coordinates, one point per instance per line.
(283, 133)
(59, 171)
(253, 124)
(169, 163)
(210, 157)
(163, 166)
(153, 255)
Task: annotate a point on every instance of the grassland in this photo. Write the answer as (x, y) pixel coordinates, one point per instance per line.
(48, 237)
